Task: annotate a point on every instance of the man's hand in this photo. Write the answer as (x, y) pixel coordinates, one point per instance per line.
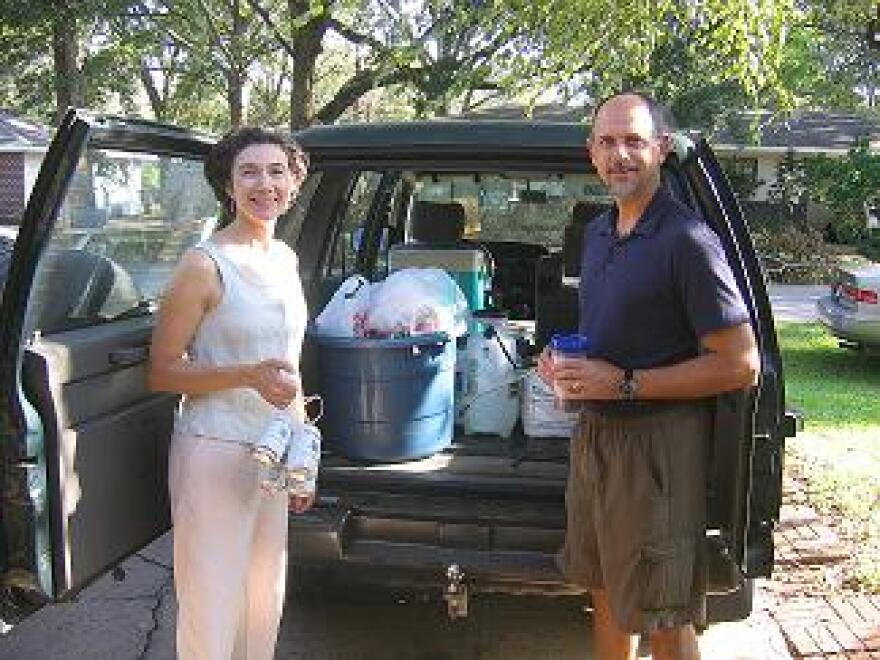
(585, 378)
(544, 366)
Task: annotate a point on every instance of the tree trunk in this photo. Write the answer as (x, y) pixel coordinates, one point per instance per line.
(157, 103)
(237, 74)
(65, 50)
(306, 48)
(235, 97)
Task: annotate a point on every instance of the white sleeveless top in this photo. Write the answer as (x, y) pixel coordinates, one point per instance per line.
(261, 314)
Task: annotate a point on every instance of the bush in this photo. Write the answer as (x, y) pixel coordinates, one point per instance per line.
(794, 254)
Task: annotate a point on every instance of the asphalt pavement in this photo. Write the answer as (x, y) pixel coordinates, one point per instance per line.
(130, 613)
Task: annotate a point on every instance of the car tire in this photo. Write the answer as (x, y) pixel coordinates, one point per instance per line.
(734, 605)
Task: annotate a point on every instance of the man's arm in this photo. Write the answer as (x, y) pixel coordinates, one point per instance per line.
(729, 361)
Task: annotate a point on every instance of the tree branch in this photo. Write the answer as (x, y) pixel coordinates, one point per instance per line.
(264, 15)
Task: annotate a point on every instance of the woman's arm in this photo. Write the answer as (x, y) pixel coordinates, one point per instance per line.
(195, 289)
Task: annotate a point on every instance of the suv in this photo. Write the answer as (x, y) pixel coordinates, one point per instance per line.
(85, 443)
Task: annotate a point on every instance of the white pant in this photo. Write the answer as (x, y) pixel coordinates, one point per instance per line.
(230, 552)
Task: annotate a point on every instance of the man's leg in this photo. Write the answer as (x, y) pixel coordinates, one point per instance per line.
(675, 644)
(612, 643)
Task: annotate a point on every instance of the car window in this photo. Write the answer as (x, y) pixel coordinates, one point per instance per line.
(290, 225)
(351, 228)
(514, 206)
(123, 225)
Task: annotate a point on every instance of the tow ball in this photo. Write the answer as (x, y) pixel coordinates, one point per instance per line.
(456, 592)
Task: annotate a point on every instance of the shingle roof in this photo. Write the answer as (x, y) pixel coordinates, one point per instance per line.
(14, 131)
(801, 129)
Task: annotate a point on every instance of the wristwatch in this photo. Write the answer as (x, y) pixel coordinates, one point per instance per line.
(627, 388)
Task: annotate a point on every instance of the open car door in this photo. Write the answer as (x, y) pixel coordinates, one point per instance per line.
(84, 442)
(745, 479)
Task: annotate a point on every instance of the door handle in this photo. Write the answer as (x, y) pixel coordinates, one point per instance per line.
(127, 357)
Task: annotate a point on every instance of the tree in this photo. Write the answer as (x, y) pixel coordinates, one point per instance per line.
(218, 42)
(65, 46)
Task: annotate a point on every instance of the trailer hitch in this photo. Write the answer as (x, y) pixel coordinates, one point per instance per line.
(456, 593)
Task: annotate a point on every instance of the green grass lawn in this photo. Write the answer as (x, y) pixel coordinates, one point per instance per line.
(838, 393)
(833, 387)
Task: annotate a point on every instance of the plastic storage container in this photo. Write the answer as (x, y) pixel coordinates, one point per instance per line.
(487, 395)
(387, 399)
(467, 266)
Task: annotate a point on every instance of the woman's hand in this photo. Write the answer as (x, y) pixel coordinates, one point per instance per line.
(301, 503)
(276, 381)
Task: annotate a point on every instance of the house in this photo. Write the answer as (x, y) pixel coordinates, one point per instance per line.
(750, 144)
(755, 143)
(22, 147)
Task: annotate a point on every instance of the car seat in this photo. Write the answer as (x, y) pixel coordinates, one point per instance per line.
(556, 289)
(76, 287)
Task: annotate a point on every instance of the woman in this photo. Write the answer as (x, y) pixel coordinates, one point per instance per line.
(228, 338)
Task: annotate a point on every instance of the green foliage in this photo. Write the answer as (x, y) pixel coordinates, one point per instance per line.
(792, 253)
(843, 186)
(193, 57)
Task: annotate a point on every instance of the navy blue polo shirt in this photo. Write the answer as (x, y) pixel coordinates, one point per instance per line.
(645, 299)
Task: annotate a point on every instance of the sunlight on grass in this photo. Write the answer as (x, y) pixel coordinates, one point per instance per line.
(838, 453)
(831, 386)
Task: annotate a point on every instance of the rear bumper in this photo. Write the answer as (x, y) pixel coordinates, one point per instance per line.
(848, 324)
(414, 556)
(325, 538)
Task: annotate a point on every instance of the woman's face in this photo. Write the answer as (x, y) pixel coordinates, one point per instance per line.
(261, 183)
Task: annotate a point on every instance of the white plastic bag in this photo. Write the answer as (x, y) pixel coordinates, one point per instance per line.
(344, 314)
(416, 301)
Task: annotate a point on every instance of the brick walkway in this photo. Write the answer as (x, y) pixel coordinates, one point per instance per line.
(818, 616)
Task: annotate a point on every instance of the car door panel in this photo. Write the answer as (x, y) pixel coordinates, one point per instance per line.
(749, 437)
(107, 441)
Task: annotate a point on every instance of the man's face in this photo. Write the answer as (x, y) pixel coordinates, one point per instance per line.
(624, 149)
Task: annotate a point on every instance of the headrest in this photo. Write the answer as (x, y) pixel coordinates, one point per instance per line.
(573, 238)
(584, 212)
(433, 222)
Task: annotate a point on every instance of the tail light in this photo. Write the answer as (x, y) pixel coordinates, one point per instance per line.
(859, 295)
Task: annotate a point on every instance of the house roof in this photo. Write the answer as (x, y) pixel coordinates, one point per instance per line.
(15, 132)
(801, 130)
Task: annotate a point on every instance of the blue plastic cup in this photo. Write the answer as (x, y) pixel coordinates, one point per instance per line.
(568, 347)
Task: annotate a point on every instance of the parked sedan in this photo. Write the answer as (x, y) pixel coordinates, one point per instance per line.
(851, 311)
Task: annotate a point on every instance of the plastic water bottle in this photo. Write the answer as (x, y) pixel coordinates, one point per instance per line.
(273, 441)
(568, 347)
(302, 459)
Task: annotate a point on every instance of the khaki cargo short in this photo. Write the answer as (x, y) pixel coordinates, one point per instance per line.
(636, 509)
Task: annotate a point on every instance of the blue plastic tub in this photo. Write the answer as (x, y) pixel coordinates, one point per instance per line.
(387, 399)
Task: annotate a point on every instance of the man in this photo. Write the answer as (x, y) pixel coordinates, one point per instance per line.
(669, 330)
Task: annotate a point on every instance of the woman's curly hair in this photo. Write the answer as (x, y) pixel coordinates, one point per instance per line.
(219, 161)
